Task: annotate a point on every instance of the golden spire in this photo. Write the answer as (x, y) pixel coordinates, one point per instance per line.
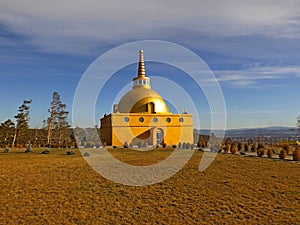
(141, 80)
(141, 70)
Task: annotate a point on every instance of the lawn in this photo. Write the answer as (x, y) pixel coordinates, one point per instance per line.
(61, 189)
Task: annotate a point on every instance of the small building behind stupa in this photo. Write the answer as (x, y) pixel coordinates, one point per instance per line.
(142, 118)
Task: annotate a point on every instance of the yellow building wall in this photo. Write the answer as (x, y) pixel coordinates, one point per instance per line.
(116, 130)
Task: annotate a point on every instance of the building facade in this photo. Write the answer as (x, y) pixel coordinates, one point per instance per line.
(142, 118)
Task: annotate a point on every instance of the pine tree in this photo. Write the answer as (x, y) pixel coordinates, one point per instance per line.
(63, 124)
(22, 126)
(6, 132)
(57, 123)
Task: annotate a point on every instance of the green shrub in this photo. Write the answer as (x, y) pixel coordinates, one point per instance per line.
(260, 152)
(282, 154)
(233, 148)
(253, 148)
(221, 148)
(226, 148)
(246, 147)
(240, 146)
(296, 154)
(260, 145)
(270, 153)
(286, 147)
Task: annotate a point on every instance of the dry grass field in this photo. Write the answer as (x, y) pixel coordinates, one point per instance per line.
(61, 189)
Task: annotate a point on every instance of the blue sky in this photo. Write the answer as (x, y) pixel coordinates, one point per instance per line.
(252, 48)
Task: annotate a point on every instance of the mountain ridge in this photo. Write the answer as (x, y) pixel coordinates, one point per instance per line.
(272, 131)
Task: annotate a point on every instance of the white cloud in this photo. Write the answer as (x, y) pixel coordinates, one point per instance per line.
(250, 77)
(256, 111)
(76, 26)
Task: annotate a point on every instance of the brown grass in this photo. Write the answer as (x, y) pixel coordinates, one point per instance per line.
(141, 158)
(60, 189)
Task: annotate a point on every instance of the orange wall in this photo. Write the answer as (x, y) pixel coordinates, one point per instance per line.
(115, 130)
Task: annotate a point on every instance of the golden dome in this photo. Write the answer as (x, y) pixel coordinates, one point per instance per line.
(142, 99)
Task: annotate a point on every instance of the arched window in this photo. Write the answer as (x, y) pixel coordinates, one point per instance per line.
(150, 107)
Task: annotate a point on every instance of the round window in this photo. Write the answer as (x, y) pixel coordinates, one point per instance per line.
(180, 119)
(141, 119)
(168, 120)
(126, 119)
(155, 119)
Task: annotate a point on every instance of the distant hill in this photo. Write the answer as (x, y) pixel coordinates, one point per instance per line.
(275, 131)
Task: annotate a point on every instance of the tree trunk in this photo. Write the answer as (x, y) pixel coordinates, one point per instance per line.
(49, 133)
(49, 130)
(14, 139)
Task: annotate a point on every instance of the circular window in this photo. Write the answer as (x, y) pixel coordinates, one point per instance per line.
(155, 119)
(126, 119)
(168, 120)
(141, 119)
(180, 119)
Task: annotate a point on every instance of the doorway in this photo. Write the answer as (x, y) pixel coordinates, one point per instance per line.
(159, 136)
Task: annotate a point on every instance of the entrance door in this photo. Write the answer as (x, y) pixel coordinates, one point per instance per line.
(159, 136)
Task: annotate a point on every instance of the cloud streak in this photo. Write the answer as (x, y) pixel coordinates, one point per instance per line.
(251, 77)
(78, 27)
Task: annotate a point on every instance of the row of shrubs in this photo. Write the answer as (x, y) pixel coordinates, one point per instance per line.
(45, 151)
(246, 147)
(238, 147)
(282, 154)
(163, 145)
(260, 150)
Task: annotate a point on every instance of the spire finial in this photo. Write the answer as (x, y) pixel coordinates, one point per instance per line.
(141, 70)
